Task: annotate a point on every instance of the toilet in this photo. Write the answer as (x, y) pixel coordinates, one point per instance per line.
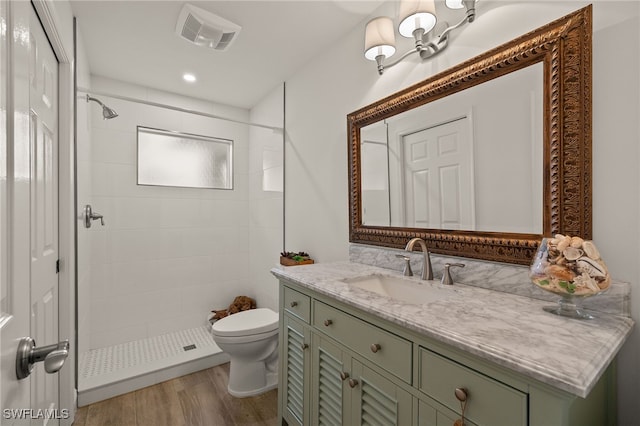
(251, 340)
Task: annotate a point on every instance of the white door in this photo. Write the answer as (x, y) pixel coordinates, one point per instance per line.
(43, 79)
(28, 211)
(438, 170)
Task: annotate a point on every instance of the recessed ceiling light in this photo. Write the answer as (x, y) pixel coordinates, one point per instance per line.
(189, 77)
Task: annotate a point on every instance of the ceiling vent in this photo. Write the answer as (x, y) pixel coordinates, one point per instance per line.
(203, 28)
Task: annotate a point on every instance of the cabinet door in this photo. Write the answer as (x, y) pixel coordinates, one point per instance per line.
(434, 414)
(376, 400)
(295, 383)
(330, 366)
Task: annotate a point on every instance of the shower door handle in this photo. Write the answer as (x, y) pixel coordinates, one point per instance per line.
(90, 215)
(53, 356)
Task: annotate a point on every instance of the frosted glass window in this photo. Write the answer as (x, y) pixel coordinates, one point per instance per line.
(179, 159)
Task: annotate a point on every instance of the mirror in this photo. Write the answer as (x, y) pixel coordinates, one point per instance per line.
(476, 175)
(450, 163)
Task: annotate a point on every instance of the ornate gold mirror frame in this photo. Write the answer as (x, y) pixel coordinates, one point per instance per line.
(564, 48)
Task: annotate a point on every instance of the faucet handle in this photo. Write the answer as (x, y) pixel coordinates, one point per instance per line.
(446, 276)
(407, 272)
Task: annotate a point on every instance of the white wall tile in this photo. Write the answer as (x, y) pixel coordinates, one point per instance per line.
(135, 213)
(116, 336)
(113, 146)
(167, 324)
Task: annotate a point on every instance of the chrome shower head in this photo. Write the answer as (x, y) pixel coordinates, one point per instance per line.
(107, 113)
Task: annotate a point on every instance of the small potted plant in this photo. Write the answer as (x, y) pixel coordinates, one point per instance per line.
(289, 258)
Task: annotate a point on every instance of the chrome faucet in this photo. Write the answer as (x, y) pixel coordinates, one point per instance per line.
(427, 270)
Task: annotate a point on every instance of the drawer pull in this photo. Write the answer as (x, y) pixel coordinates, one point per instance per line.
(327, 322)
(304, 346)
(375, 347)
(294, 304)
(344, 375)
(353, 383)
(461, 394)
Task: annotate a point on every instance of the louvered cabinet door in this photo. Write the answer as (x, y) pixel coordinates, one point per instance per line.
(377, 401)
(330, 375)
(296, 369)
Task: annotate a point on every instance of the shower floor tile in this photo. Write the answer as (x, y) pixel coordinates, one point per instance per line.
(118, 363)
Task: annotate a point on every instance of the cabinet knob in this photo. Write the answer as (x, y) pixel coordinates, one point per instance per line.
(344, 375)
(375, 347)
(304, 346)
(353, 383)
(461, 394)
(327, 322)
(294, 304)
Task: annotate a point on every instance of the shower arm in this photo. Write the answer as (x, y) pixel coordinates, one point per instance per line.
(89, 98)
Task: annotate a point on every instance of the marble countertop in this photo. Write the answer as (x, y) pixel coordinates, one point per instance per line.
(509, 330)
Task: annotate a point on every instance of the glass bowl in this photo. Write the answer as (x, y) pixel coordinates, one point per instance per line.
(572, 268)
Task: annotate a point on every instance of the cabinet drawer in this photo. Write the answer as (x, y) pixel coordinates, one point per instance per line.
(385, 349)
(297, 304)
(489, 402)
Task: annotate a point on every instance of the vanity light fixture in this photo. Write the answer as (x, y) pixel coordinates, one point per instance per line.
(418, 20)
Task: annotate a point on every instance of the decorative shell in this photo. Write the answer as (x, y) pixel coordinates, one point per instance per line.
(591, 250)
(591, 267)
(576, 242)
(572, 253)
(564, 243)
(569, 265)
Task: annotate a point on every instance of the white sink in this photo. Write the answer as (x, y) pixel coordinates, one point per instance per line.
(409, 291)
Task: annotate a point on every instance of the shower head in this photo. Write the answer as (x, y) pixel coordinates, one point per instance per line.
(107, 113)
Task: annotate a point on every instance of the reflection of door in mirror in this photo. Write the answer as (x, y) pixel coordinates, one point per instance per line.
(494, 181)
(438, 186)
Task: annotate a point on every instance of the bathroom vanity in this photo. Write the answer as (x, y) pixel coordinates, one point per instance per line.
(350, 355)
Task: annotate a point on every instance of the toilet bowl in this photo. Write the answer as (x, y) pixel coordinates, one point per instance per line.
(251, 340)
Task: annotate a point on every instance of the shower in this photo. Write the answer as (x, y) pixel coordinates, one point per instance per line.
(107, 113)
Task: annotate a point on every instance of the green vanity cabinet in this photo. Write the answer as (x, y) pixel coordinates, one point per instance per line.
(386, 350)
(433, 414)
(340, 365)
(489, 401)
(377, 400)
(295, 371)
(329, 383)
(347, 391)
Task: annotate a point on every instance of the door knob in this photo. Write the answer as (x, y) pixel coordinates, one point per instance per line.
(53, 356)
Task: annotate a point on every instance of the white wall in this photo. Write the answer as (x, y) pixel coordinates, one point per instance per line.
(340, 81)
(166, 256)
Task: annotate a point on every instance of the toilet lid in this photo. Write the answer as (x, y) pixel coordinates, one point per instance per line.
(253, 321)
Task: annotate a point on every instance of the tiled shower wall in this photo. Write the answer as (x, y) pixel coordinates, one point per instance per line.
(166, 256)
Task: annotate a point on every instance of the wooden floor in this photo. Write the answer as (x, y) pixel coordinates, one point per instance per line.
(196, 399)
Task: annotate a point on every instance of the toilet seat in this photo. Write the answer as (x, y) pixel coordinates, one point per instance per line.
(247, 323)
